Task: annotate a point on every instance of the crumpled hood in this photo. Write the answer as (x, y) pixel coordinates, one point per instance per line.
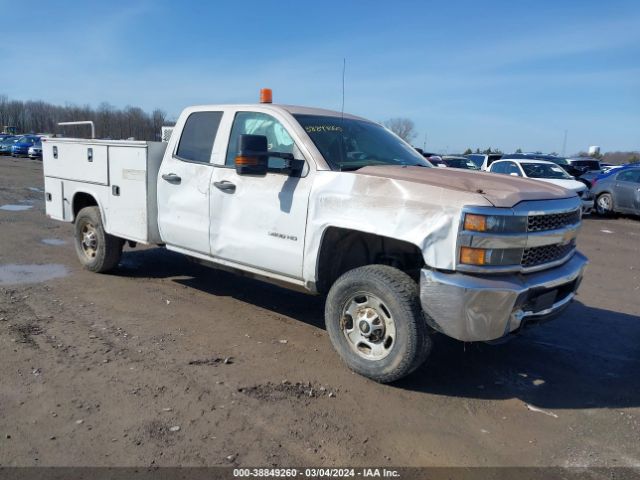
(501, 190)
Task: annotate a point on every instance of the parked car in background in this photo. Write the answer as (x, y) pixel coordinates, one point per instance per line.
(35, 151)
(483, 160)
(436, 161)
(607, 168)
(594, 176)
(454, 161)
(6, 143)
(585, 164)
(618, 192)
(547, 172)
(563, 162)
(21, 147)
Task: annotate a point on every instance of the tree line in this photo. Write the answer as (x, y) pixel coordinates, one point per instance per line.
(36, 116)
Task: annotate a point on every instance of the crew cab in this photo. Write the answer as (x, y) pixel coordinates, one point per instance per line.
(332, 204)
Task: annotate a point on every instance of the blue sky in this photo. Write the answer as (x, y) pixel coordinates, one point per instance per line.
(500, 74)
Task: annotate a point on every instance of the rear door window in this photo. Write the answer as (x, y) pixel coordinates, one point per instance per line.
(198, 135)
(630, 176)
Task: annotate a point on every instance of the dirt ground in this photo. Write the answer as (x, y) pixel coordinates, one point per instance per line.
(165, 362)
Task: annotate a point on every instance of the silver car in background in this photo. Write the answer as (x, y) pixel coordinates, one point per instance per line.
(35, 151)
(618, 193)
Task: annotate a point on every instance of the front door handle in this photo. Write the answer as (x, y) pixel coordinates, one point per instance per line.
(225, 186)
(171, 178)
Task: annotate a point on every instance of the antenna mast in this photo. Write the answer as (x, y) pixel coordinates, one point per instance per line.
(344, 68)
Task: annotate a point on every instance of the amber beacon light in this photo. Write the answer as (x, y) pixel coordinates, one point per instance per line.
(266, 96)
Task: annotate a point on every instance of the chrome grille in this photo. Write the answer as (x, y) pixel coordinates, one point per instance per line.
(549, 253)
(554, 221)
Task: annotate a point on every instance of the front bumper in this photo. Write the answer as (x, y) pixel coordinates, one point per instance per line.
(587, 205)
(482, 308)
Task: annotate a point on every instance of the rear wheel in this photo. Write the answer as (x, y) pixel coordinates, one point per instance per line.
(604, 204)
(97, 250)
(375, 322)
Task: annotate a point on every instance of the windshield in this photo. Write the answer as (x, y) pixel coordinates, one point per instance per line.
(543, 170)
(558, 160)
(348, 144)
(25, 140)
(590, 164)
(478, 160)
(460, 163)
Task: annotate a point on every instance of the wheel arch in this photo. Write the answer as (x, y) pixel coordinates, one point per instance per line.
(82, 199)
(343, 249)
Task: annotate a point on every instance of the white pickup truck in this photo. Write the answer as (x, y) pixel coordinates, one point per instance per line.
(332, 204)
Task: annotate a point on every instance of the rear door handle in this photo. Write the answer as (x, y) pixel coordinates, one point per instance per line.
(171, 178)
(225, 186)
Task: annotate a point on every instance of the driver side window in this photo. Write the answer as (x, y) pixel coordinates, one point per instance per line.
(255, 123)
(498, 167)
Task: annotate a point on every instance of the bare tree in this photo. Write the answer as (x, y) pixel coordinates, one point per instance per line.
(403, 127)
(42, 117)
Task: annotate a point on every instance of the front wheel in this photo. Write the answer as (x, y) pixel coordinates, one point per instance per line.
(97, 250)
(375, 322)
(604, 204)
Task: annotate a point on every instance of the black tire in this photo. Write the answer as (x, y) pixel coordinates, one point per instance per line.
(397, 295)
(604, 204)
(97, 250)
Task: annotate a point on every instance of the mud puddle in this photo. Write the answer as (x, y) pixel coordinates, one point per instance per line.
(19, 274)
(53, 241)
(16, 208)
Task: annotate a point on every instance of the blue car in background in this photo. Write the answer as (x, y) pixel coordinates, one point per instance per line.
(22, 145)
(6, 142)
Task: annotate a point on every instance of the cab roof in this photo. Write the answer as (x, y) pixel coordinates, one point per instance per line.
(292, 109)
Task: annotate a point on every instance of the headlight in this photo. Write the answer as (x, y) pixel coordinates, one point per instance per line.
(474, 222)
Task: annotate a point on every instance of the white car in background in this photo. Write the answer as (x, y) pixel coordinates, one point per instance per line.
(547, 172)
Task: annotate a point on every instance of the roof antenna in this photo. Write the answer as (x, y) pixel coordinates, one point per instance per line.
(341, 133)
(344, 68)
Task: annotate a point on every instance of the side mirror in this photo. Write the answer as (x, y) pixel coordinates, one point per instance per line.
(514, 174)
(253, 155)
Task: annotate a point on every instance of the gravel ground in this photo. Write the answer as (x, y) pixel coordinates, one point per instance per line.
(165, 362)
